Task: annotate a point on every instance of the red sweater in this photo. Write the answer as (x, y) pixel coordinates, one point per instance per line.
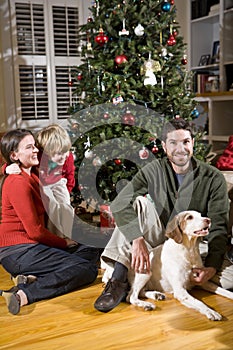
(50, 176)
(23, 213)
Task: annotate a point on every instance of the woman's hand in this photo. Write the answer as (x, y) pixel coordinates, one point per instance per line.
(140, 256)
(70, 242)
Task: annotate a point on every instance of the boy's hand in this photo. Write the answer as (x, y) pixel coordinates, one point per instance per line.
(13, 169)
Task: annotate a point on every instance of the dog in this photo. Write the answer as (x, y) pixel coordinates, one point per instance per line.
(171, 267)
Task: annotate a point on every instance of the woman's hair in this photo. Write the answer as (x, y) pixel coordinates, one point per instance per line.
(10, 143)
(53, 139)
(176, 124)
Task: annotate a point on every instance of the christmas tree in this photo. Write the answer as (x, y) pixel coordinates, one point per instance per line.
(132, 79)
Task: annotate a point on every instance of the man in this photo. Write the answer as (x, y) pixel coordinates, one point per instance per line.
(175, 183)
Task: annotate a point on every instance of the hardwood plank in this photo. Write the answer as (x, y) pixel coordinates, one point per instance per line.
(71, 322)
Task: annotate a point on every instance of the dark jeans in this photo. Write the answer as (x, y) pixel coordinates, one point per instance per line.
(57, 271)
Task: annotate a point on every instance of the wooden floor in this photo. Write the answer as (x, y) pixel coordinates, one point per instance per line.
(71, 322)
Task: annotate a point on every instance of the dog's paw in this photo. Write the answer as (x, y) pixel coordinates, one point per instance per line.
(149, 306)
(154, 295)
(146, 305)
(213, 315)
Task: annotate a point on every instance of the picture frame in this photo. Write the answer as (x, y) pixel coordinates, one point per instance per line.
(204, 60)
(216, 52)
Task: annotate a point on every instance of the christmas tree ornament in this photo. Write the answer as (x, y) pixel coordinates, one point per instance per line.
(117, 99)
(88, 154)
(70, 83)
(120, 59)
(172, 2)
(101, 38)
(148, 69)
(171, 40)
(195, 113)
(102, 86)
(89, 47)
(97, 161)
(79, 76)
(184, 60)
(81, 45)
(166, 6)
(162, 82)
(117, 161)
(90, 19)
(83, 95)
(139, 30)
(97, 6)
(154, 149)
(164, 52)
(73, 151)
(75, 126)
(123, 31)
(144, 153)
(128, 118)
(106, 115)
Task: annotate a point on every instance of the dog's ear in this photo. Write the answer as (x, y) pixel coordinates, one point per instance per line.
(173, 230)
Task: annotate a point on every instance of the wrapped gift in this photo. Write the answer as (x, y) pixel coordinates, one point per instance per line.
(106, 217)
(225, 161)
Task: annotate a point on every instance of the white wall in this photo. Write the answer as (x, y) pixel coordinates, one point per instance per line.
(183, 16)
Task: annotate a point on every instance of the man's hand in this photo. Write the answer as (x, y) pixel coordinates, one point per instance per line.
(202, 275)
(140, 256)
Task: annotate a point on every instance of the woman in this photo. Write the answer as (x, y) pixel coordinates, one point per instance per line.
(26, 246)
(57, 175)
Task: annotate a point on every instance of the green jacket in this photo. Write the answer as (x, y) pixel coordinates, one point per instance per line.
(203, 189)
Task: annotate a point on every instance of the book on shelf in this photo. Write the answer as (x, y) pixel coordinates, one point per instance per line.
(206, 83)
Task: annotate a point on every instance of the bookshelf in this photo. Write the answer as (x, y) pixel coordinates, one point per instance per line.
(211, 61)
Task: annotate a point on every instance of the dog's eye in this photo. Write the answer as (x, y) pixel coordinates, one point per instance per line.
(189, 217)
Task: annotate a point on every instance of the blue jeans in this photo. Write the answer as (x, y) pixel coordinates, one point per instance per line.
(57, 271)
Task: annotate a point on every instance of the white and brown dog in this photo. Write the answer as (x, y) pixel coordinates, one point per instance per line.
(171, 267)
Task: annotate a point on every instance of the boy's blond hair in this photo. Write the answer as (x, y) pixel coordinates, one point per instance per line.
(53, 139)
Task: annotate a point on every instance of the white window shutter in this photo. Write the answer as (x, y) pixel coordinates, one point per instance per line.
(46, 40)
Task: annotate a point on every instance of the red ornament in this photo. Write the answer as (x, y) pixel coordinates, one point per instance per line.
(144, 153)
(101, 38)
(154, 149)
(70, 83)
(121, 59)
(79, 76)
(89, 20)
(171, 40)
(106, 115)
(172, 2)
(117, 161)
(128, 118)
(184, 60)
(175, 33)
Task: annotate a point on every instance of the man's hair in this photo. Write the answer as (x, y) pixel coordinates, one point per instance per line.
(10, 143)
(176, 124)
(53, 139)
